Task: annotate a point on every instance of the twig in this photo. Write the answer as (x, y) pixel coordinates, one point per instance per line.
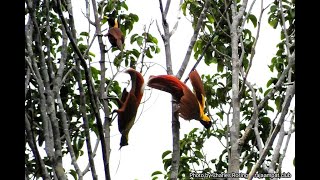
(178, 19)
(146, 32)
(252, 48)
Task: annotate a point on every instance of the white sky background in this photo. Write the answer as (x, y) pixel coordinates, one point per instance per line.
(151, 134)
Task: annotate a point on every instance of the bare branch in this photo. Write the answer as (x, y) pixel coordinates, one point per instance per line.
(166, 40)
(146, 32)
(247, 15)
(67, 134)
(162, 36)
(268, 96)
(178, 19)
(253, 48)
(166, 10)
(26, 82)
(106, 127)
(276, 152)
(287, 143)
(88, 18)
(193, 40)
(285, 106)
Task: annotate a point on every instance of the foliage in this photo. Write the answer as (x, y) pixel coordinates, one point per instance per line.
(55, 82)
(218, 87)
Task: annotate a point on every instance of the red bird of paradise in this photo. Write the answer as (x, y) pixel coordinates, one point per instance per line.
(191, 105)
(128, 105)
(115, 36)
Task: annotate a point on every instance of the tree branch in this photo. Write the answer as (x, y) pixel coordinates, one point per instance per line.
(289, 95)
(178, 19)
(32, 144)
(175, 118)
(267, 97)
(166, 40)
(102, 90)
(47, 131)
(93, 97)
(193, 40)
(287, 143)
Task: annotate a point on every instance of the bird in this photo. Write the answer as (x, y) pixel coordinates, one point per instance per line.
(128, 105)
(190, 105)
(115, 36)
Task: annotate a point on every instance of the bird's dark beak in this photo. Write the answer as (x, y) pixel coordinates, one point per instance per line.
(206, 124)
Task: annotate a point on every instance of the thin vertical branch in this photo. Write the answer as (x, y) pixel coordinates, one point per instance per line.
(166, 40)
(93, 97)
(175, 118)
(107, 122)
(26, 82)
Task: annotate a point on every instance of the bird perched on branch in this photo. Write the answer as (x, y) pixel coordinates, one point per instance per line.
(128, 105)
(115, 36)
(191, 105)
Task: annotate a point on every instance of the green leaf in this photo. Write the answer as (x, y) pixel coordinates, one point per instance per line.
(139, 40)
(210, 18)
(166, 163)
(267, 92)
(157, 50)
(134, 17)
(166, 153)
(273, 8)
(136, 53)
(92, 54)
(271, 81)
(148, 54)
(133, 38)
(156, 173)
(95, 72)
(253, 19)
(74, 174)
(220, 114)
(84, 34)
(278, 103)
(220, 67)
(124, 5)
(184, 8)
(193, 130)
(198, 154)
(274, 23)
